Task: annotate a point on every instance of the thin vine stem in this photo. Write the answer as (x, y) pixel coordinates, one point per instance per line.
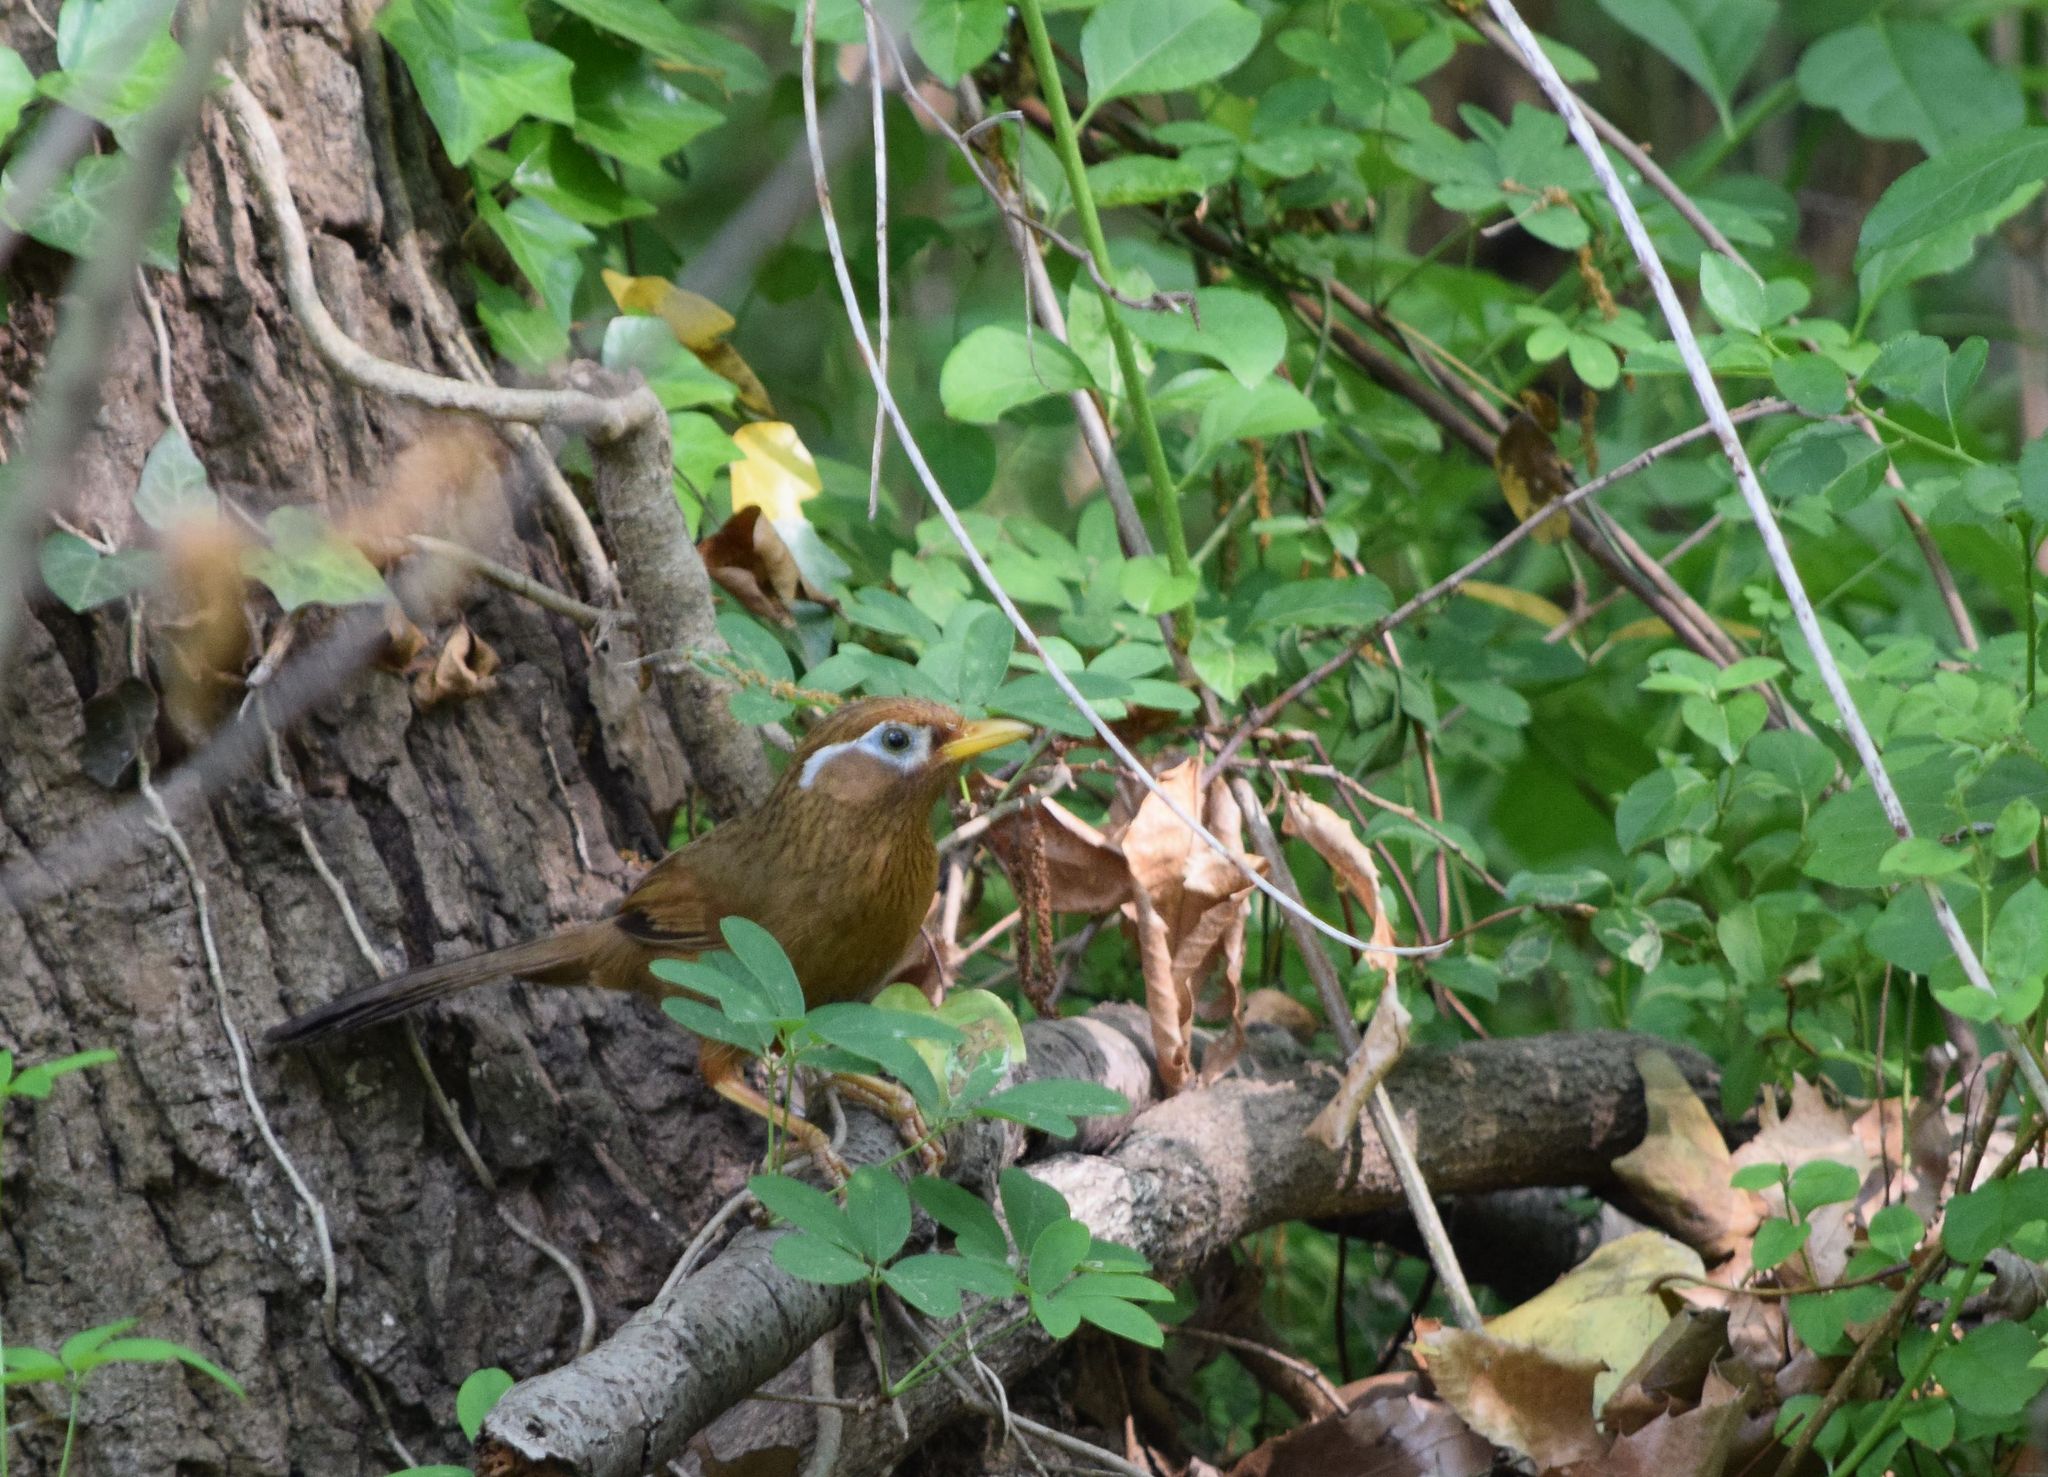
(1165, 486)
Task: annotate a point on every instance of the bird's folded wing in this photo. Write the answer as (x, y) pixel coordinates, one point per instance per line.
(671, 908)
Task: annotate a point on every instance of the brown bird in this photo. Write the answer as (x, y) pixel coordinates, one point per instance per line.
(837, 863)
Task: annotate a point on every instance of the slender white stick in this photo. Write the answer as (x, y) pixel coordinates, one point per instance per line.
(876, 61)
(1709, 394)
(951, 517)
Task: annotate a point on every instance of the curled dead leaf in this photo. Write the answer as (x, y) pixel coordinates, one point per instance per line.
(752, 564)
(1532, 475)
(464, 668)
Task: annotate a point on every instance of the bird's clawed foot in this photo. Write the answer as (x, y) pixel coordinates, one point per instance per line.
(894, 1102)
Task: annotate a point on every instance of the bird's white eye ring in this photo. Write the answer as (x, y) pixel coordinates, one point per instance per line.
(895, 739)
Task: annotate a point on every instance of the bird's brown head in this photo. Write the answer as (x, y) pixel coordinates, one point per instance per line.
(890, 755)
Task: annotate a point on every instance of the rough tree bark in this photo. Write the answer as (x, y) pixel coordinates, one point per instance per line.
(143, 1189)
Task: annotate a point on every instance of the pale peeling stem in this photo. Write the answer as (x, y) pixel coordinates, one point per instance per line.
(1858, 732)
(951, 517)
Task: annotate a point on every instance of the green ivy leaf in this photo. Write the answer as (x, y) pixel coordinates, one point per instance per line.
(307, 563)
(17, 89)
(84, 578)
(543, 243)
(477, 69)
(173, 487)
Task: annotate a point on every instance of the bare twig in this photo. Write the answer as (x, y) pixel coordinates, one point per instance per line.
(1780, 553)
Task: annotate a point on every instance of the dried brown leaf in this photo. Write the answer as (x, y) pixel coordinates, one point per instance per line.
(1268, 1007)
(752, 564)
(1811, 1129)
(1400, 1434)
(1518, 1397)
(464, 668)
(1085, 869)
(1681, 1169)
(204, 630)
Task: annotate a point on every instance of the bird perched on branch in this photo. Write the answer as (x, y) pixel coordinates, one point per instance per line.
(837, 863)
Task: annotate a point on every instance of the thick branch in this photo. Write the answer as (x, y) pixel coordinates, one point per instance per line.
(666, 584)
(1195, 1174)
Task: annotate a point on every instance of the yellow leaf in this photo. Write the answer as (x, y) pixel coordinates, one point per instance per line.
(775, 473)
(1641, 630)
(1545, 613)
(697, 322)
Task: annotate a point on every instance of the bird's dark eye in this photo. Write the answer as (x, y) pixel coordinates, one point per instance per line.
(896, 740)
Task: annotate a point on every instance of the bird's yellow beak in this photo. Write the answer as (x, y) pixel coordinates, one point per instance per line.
(982, 735)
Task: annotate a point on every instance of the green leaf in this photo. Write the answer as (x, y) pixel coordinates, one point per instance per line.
(933, 1283)
(479, 1394)
(524, 333)
(35, 1082)
(1977, 1222)
(997, 368)
(1813, 382)
(563, 174)
(17, 89)
(648, 25)
(1922, 856)
(1896, 1231)
(813, 1260)
(626, 106)
(477, 68)
(1555, 889)
(1777, 1240)
(1732, 293)
(173, 487)
(72, 216)
(84, 579)
(307, 563)
(974, 1226)
(2017, 827)
(115, 58)
(543, 242)
(1758, 1177)
(1965, 180)
(1132, 46)
(26, 1366)
(756, 948)
(84, 1344)
(1051, 1104)
(2016, 953)
(1662, 801)
(1271, 408)
(695, 1016)
(1030, 1205)
(1142, 179)
(1714, 42)
(1149, 585)
(1906, 78)
(805, 1208)
(1227, 666)
(1990, 1373)
(953, 37)
(878, 1211)
(1821, 1182)
(1055, 1252)
(1347, 603)
(1239, 330)
(1057, 1316)
(1122, 1319)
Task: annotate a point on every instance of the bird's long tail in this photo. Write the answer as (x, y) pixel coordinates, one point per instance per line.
(559, 958)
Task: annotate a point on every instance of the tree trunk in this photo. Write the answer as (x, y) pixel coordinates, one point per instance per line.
(145, 1188)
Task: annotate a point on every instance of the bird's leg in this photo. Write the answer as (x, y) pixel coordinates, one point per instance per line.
(894, 1102)
(723, 1072)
